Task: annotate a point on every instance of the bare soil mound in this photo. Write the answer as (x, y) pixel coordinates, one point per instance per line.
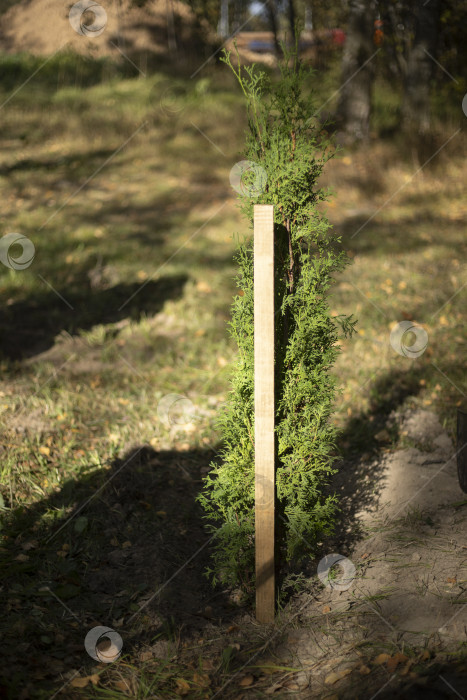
(110, 28)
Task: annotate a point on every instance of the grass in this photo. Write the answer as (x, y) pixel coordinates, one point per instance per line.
(123, 187)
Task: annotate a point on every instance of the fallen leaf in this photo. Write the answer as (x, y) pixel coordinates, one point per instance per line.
(326, 609)
(202, 286)
(202, 679)
(395, 660)
(183, 687)
(44, 450)
(382, 436)
(122, 685)
(407, 667)
(145, 655)
(246, 681)
(22, 557)
(126, 544)
(84, 680)
(381, 659)
(335, 676)
(364, 556)
(364, 670)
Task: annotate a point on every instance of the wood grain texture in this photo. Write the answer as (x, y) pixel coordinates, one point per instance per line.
(264, 410)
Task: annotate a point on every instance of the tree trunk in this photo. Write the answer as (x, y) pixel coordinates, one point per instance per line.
(271, 10)
(353, 111)
(308, 17)
(237, 16)
(416, 101)
(291, 10)
(223, 26)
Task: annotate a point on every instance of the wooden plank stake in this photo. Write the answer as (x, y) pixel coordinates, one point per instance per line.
(264, 410)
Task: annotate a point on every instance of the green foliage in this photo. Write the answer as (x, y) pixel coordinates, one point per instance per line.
(284, 139)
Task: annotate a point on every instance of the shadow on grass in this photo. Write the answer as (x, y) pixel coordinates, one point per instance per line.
(125, 546)
(367, 236)
(30, 326)
(122, 546)
(71, 161)
(69, 68)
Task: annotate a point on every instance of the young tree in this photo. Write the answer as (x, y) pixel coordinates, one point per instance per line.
(353, 110)
(288, 151)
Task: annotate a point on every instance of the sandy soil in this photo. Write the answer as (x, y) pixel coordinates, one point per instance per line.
(43, 27)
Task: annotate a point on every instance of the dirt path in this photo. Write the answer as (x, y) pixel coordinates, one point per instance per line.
(402, 613)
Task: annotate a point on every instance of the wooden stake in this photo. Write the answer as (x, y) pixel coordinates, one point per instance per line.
(264, 409)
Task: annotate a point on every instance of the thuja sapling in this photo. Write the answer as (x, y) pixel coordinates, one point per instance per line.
(286, 141)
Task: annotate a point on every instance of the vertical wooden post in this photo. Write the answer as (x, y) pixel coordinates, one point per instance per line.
(264, 409)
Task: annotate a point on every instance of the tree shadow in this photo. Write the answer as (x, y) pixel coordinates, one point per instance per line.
(29, 326)
(367, 236)
(123, 546)
(358, 482)
(70, 161)
(359, 479)
(191, 45)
